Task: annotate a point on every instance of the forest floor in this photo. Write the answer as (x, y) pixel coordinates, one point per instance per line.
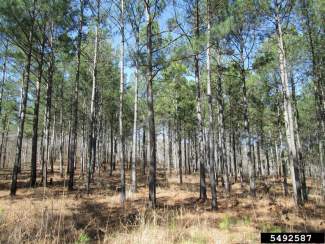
(54, 215)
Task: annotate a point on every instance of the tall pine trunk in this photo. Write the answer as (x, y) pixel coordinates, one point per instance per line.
(36, 115)
(121, 135)
(111, 150)
(221, 125)
(170, 147)
(47, 118)
(22, 110)
(134, 139)
(319, 89)
(74, 135)
(151, 114)
(61, 131)
(179, 151)
(247, 135)
(4, 75)
(304, 193)
(288, 114)
(210, 139)
(200, 142)
(92, 127)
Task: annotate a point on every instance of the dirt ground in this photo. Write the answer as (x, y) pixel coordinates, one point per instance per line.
(54, 215)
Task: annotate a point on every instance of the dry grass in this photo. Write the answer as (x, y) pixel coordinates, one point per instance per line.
(53, 215)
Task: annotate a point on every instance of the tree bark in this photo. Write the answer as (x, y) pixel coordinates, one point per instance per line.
(247, 135)
(179, 152)
(121, 135)
(221, 125)
(304, 193)
(288, 114)
(170, 148)
(61, 130)
(112, 150)
(284, 168)
(73, 144)
(134, 142)
(4, 75)
(151, 115)
(5, 117)
(210, 137)
(203, 193)
(164, 147)
(5, 146)
(319, 89)
(144, 151)
(3, 133)
(233, 141)
(22, 110)
(93, 110)
(47, 117)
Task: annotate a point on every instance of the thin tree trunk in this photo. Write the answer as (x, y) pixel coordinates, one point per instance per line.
(210, 139)
(92, 127)
(189, 153)
(170, 147)
(240, 165)
(3, 135)
(52, 145)
(4, 121)
(267, 162)
(288, 114)
(151, 115)
(221, 123)
(83, 148)
(203, 193)
(196, 153)
(47, 117)
(304, 193)
(233, 140)
(278, 163)
(319, 90)
(284, 168)
(259, 163)
(74, 135)
(61, 130)
(112, 151)
(69, 143)
(121, 135)
(134, 142)
(5, 146)
(247, 135)
(164, 147)
(4, 75)
(22, 110)
(179, 152)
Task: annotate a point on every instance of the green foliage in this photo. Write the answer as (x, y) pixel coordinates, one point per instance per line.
(83, 239)
(246, 220)
(226, 222)
(176, 96)
(267, 227)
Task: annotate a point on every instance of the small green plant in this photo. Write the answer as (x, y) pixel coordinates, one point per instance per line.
(226, 222)
(1, 214)
(271, 228)
(247, 220)
(83, 238)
